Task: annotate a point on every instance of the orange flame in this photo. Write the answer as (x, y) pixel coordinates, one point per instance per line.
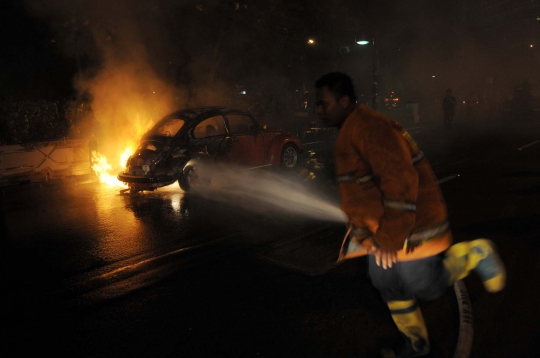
(105, 171)
(126, 99)
(100, 164)
(102, 168)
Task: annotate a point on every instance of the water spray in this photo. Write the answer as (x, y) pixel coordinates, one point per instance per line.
(267, 192)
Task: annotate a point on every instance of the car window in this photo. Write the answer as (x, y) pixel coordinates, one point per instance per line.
(240, 123)
(210, 127)
(167, 127)
(147, 146)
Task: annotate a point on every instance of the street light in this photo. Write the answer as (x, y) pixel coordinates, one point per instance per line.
(375, 91)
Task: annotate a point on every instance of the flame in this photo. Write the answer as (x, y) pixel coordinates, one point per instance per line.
(102, 168)
(126, 100)
(125, 156)
(100, 164)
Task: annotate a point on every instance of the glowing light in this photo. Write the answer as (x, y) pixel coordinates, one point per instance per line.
(463, 102)
(311, 41)
(176, 202)
(102, 168)
(432, 76)
(531, 45)
(105, 171)
(106, 166)
(125, 156)
(362, 42)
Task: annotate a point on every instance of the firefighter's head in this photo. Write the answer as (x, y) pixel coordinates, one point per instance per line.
(336, 98)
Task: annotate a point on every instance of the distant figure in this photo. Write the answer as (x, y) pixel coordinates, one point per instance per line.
(449, 108)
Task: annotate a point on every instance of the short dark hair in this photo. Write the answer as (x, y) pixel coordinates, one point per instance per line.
(338, 83)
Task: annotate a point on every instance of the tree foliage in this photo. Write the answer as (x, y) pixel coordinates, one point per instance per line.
(24, 121)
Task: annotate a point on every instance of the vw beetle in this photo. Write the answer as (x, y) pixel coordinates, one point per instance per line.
(171, 150)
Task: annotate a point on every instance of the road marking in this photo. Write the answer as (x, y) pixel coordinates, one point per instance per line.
(153, 259)
(528, 145)
(445, 179)
(142, 262)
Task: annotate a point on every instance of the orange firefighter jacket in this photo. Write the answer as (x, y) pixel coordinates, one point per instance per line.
(388, 190)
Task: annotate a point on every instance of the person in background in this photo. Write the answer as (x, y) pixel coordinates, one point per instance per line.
(449, 108)
(396, 214)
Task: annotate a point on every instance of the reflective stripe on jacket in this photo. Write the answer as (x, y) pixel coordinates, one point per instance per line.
(387, 187)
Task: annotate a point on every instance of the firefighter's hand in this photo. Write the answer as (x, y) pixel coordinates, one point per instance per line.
(386, 258)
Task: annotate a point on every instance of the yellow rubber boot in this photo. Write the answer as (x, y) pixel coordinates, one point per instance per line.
(409, 321)
(478, 255)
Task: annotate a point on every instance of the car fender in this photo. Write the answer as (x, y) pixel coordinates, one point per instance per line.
(275, 148)
(191, 163)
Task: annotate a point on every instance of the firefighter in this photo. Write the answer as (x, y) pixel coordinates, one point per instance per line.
(396, 213)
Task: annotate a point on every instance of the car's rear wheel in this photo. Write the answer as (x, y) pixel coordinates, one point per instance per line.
(187, 179)
(191, 179)
(289, 156)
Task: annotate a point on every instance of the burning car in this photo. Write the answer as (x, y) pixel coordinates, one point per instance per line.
(173, 148)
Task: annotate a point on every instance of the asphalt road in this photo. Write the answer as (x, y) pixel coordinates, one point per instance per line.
(89, 272)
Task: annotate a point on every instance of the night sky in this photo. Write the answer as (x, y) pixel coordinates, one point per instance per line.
(31, 66)
(196, 44)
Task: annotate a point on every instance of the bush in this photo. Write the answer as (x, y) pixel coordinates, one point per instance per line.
(24, 121)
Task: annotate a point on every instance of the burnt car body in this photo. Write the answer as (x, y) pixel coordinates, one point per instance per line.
(171, 150)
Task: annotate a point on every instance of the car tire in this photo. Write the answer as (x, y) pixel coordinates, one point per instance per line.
(187, 179)
(289, 156)
(190, 179)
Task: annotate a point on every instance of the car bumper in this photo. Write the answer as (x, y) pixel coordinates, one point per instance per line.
(126, 178)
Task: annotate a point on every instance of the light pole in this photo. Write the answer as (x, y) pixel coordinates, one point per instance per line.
(375, 69)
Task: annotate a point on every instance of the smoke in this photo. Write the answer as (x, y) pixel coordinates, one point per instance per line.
(138, 61)
(426, 47)
(126, 99)
(114, 44)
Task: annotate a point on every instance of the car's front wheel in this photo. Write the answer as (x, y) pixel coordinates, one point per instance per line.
(289, 156)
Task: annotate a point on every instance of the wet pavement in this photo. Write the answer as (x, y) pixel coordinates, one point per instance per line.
(89, 272)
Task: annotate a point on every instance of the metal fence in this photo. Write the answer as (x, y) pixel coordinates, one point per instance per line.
(44, 160)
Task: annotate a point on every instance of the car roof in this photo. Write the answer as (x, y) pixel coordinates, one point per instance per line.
(202, 112)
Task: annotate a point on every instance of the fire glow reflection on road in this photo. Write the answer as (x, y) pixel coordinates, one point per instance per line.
(176, 202)
(121, 232)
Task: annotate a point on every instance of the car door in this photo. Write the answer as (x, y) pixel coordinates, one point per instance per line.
(246, 141)
(210, 137)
